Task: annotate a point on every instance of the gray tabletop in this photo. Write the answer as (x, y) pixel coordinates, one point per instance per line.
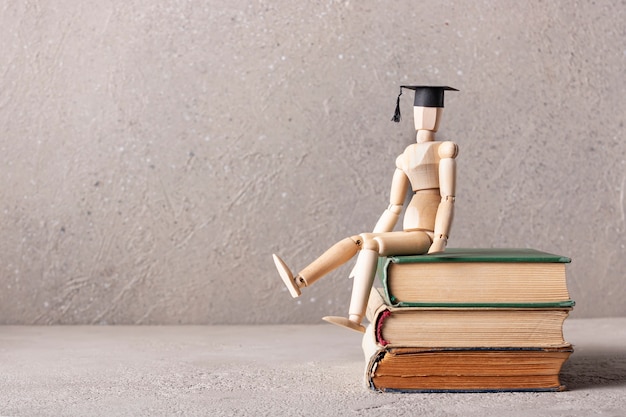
(293, 370)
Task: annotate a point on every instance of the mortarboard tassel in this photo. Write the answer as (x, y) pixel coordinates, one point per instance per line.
(396, 115)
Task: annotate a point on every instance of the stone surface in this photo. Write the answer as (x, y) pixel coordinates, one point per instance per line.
(290, 370)
(155, 154)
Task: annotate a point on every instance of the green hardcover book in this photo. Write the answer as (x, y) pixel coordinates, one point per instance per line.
(518, 278)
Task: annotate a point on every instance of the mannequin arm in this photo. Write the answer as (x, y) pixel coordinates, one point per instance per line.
(447, 187)
(389, 218)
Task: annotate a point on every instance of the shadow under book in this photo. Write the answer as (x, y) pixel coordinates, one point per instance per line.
(468, 320)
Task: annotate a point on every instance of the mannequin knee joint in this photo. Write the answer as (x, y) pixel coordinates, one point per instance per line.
(370, 243)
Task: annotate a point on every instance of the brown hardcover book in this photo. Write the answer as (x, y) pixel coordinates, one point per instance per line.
(417, 369)
(462, 327)
(477, 278)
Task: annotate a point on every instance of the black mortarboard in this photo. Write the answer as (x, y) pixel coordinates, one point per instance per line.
(425, 96)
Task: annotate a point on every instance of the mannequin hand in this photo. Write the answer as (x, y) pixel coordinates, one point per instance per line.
(439, 245)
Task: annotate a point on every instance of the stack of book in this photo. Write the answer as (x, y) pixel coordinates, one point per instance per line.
(468, 320)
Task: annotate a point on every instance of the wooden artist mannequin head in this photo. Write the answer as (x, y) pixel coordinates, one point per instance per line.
(427, 121)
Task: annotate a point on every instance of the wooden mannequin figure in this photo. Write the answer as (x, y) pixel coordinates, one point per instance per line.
(429, 168)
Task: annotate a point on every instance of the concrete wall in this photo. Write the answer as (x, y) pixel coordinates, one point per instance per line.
(155, 154)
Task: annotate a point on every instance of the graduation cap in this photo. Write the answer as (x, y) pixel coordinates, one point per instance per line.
(425, 96)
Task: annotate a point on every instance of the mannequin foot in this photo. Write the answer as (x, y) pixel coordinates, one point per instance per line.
(287, 276)
(344, 322)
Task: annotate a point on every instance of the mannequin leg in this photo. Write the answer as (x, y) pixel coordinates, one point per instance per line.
(375, 245)
(338, 254)
(365, 271)
(371, 245)
(362, 285)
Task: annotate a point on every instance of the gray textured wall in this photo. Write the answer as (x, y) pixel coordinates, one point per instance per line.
(155, 154)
